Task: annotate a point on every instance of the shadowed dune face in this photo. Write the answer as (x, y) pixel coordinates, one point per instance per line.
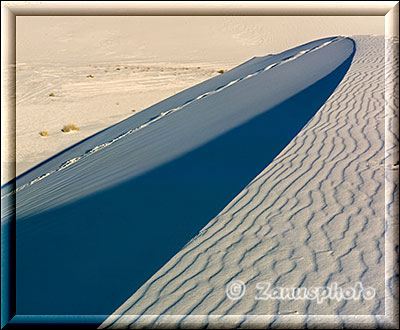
(313, 217)
(89, 256)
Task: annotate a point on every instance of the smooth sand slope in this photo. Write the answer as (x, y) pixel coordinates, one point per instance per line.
(92, 96)
(101, 68)
(313, 217)
(99, 219)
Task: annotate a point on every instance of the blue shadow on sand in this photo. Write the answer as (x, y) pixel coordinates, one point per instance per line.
(100, 249)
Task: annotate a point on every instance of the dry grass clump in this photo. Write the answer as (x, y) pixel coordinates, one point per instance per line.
(90, 76)
(221, 71)
(51, 94)
(43, 133)
(69, 128)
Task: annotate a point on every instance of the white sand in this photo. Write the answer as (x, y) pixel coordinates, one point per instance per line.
(179, 125)
(313, 217)
(157, 57)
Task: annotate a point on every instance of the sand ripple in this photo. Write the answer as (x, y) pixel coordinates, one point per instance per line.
(315, 216)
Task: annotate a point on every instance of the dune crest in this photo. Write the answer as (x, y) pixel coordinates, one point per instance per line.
(313, 217)
(144, 187)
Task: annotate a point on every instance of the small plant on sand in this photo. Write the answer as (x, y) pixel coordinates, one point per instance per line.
(69, 128)
(221, 71)
(43, 133)
(51, 95)
(89, 76)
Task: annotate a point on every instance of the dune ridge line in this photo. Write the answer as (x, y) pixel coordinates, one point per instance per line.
(165, 113)
(314, 216)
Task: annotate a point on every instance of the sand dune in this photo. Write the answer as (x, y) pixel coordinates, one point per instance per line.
(313, 217)
(157, 57)
(92, 96)
(193, 151)
(184, 184)
(286, 153)
(216, 96)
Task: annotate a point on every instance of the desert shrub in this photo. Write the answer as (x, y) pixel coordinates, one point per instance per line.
(221, 71)
(51, 94)
(69, 128)
(43, 133)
